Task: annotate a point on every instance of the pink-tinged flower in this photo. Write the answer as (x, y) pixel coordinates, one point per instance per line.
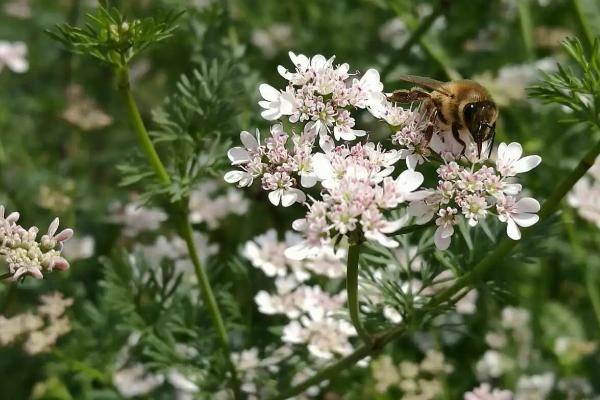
(282, 190)
(510, 163)
(24, 255)
(485, 392)
(275, 103)
(515, 214)
(445, 222)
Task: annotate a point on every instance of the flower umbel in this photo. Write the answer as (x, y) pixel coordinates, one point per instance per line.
(24, 254)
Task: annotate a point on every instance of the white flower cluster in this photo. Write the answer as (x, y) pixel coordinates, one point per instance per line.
(24, 254)
(40, 330)
(417, 381)
(316, 317)
(477, 191)
(320, 94)
(358, 189)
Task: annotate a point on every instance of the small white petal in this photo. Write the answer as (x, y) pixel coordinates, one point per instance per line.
(300, 225)
(441, 242)
(53, 227)
(512, 230)
(238, 155)
(288, 198)
(308, 180)
(381, 239)
(393, 226)
(322, 166)
(514, 151)
(525, 220)
(409, 180)
(248, 140)
(527, 163)
(287, 103)
(233, 176)
(527, 205)
(268, 92)
(271, 114)
(512, 188)
(275, 197)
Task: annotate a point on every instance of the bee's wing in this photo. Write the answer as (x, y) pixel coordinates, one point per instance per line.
(430, 83)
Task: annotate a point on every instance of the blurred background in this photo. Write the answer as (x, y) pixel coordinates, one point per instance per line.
(64, 138)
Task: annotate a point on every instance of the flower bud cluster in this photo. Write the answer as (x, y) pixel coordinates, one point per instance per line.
(24, 253)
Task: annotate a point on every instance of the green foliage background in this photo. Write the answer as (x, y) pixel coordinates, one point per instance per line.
(555, 274)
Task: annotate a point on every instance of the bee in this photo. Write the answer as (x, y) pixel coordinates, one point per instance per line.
(461, 106)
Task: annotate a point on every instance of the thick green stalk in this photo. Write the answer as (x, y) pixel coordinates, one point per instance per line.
(180, 213)
(549, 207)
(352, 290)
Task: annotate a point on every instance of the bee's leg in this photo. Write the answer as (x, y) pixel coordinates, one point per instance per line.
(430, 126)
(408, 96)
(493, 129)
(456, 135)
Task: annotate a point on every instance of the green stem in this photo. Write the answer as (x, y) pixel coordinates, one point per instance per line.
(181, 217)
(415, 36)
(526, 28)
(549, 207)
(352, 290)
(209, 299)
(138, 126)
(583, 23)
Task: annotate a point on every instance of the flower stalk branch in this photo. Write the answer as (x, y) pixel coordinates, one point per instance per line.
(180, 215)
(476, 274)
(352, 290)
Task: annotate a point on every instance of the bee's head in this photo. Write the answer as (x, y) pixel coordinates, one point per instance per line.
(480, 119)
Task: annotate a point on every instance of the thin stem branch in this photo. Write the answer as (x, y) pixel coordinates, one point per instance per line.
(139, 127)
(415, 36)
(180, 214)
(352, 290)
(549, 207)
